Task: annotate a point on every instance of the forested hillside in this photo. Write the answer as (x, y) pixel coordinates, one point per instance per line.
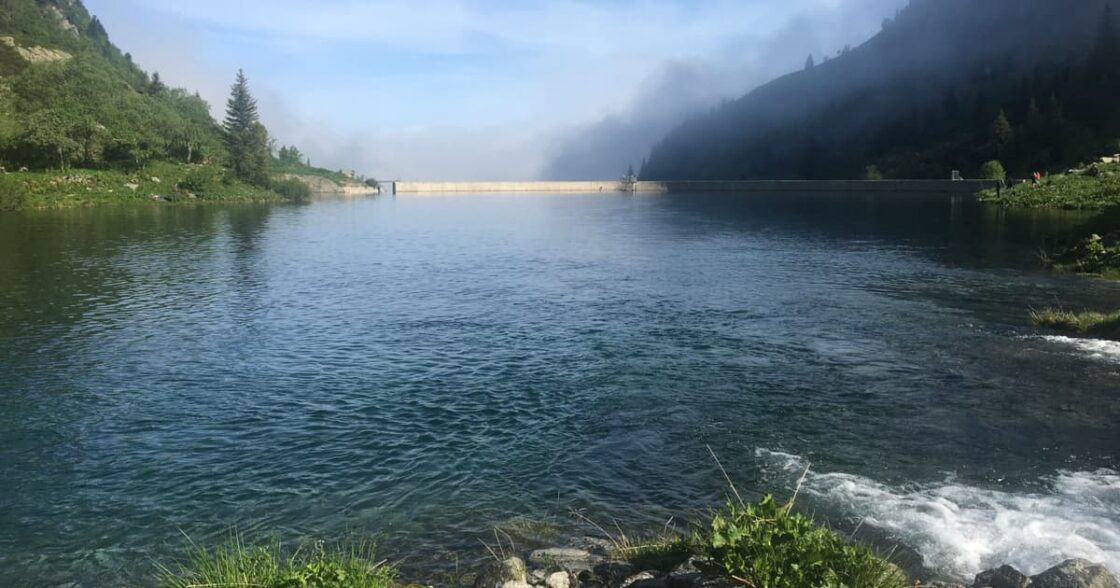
(70, 100)
(91, 106)
(947, 85)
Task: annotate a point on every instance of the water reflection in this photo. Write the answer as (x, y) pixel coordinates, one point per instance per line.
(428, 367)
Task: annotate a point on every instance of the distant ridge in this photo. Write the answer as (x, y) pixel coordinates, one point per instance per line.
(920, 99)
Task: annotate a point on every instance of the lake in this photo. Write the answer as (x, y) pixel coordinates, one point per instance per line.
(427, 368)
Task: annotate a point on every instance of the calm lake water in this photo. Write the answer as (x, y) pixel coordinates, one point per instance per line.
(427, 368)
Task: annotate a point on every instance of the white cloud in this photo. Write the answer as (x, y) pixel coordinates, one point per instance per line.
(471, 88)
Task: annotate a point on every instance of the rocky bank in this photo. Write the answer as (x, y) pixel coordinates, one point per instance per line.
(326, 187)
(589, 564)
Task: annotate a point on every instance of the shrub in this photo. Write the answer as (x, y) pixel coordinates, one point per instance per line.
(993, 170)
(872, 172)
(765, 545)
(200, 181)
(13, 196)
(234, 564)
(1093, 255)
(292, 189)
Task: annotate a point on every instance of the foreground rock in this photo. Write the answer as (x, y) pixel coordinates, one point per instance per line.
(511, 573)
(1074, 573)
(588, 564)
(1004, 577)
(566, 558)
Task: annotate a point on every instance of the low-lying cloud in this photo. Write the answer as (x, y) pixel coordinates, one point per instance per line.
(465, 89)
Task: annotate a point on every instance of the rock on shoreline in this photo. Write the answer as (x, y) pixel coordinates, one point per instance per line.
(1072, 573)
(591, 566)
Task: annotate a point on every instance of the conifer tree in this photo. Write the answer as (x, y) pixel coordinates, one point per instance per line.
(1003, 136)
(810, 63)
(246, 138)
(156, 87)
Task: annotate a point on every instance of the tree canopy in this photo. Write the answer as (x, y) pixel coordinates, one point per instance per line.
(245, 137)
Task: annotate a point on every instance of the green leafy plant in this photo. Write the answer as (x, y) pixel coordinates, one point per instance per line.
(1092, 255)
(766, 545)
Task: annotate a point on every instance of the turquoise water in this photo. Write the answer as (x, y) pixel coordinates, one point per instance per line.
(425, 368)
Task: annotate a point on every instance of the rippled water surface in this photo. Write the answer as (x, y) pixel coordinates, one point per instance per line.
(425, 368)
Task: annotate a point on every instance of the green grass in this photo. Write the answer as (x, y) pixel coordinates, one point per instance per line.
(661, 553)
(1097, 324)
(277, 167)
(171, 182)
(236, 565)
(1082, 190)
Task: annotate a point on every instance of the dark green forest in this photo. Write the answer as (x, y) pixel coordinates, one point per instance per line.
(947, 85)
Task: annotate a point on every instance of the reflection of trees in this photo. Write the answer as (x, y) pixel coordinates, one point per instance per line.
(955, 229)
(245, 225)
(104, 314)
(56, 265)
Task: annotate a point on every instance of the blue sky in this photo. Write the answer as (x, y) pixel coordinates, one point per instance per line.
(469, 89)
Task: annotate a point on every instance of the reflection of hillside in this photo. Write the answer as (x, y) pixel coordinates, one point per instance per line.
(957, 230)
(72, 261)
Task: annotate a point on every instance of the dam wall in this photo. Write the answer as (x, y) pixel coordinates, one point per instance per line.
(769, 186)
(442, 187)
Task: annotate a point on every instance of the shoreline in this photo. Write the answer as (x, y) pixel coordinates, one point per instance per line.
(965, 187)
(594, 562)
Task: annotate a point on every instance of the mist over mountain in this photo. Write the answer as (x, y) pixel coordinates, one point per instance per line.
(924, 96)
(604, 147)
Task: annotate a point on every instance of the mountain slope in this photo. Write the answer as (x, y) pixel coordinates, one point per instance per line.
(71, 100)
(920, 98)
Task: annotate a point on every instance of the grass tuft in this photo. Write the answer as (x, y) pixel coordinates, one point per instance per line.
(238, 565)
(1097, 324)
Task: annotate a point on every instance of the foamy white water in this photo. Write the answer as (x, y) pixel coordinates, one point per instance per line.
(962, 530)
(1095, 348)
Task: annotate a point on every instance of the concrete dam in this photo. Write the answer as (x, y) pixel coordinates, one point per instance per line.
(612, 186)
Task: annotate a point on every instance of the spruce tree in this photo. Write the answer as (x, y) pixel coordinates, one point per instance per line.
(1003, 135)
(246, 139)
(156, 87)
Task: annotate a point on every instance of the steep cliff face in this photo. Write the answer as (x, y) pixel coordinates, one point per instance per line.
(35, 54)
(943, 69)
